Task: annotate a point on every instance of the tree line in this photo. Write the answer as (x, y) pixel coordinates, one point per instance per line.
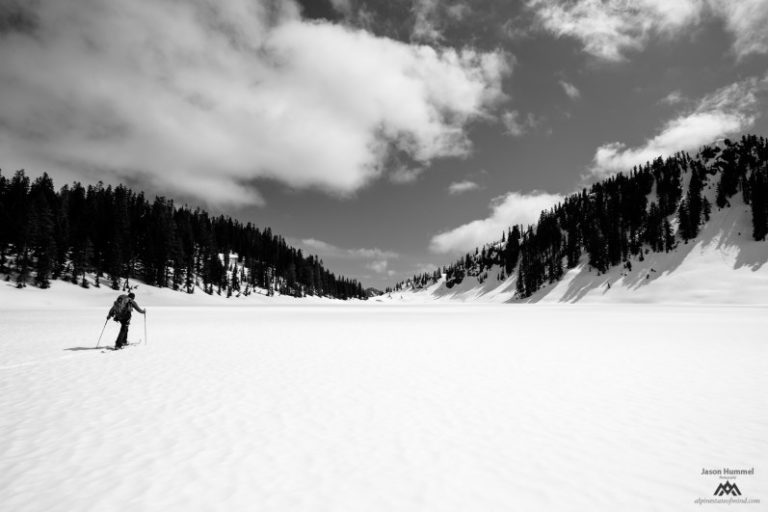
(115, 234)
(651, 208)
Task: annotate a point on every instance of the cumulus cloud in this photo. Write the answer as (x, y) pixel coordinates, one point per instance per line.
(202, 98)
(459, 187)
(608, 29)
(726, 111)
(570, 90)
(508, 210)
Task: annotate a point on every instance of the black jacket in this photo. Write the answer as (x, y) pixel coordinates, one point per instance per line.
(126, 314)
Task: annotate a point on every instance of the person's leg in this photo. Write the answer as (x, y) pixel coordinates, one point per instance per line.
(119, 337)
(122, 338)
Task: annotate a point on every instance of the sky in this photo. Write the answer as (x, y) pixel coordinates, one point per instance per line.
(386, 137)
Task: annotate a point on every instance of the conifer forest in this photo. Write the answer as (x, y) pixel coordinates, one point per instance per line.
(116, 235)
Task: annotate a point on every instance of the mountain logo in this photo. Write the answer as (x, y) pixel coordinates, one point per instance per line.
(727, 488)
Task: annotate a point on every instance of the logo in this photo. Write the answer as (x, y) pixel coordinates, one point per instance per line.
(726, 492)
(727, 488)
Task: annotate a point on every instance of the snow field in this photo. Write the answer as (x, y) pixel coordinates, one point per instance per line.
(351, 408)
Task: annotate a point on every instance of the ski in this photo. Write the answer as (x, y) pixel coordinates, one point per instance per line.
(113, 349)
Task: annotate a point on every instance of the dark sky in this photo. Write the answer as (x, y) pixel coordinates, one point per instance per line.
(386, 137)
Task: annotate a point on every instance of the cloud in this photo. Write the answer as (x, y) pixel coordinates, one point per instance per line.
(424, 268)
(404, 175)
(608, 29)
(203, 98)
(378, 266)
(432, 16)
(16, 16)
(747, 21)
(508, 210)
(377, 259)
(514, 126)
(570, 90)
(459, 187)
(425, 27)
(320, 247)
(458, 11)
(325, 249)
(726, 111)
(343, 6)
(673, 98)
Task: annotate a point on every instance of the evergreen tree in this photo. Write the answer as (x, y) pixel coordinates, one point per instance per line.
(668, 235)
(511, 250)
(684, 221)
(41, 229)
(5, 219)
(18, 224)
(694, 204)
(759, 203)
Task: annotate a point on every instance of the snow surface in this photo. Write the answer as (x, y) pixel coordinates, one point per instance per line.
(359, 407)
(66, 295)
(723, 265)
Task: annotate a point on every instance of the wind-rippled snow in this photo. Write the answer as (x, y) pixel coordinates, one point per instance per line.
(367, 408)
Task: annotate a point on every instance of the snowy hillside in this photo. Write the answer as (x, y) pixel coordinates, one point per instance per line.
(723, 265)
(105, 236)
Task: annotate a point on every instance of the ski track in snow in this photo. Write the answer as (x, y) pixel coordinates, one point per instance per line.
(366, 408)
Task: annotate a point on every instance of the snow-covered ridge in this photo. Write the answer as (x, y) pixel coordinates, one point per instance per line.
(722, 265)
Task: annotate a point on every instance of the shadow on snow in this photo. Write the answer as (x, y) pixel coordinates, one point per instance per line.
(728, 232)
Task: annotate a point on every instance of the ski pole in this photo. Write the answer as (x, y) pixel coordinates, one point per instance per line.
(145, 327)
(102, 333)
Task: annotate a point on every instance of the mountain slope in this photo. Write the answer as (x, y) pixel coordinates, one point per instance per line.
(722, 263)
(98, 235)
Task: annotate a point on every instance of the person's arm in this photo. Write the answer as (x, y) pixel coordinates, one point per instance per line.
(137, 308)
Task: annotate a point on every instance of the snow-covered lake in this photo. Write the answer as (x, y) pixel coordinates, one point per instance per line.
(383, 408)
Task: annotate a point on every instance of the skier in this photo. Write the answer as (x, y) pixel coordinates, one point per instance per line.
(121, 311)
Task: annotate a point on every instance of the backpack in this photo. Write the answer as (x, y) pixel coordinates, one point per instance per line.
(121, 308)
